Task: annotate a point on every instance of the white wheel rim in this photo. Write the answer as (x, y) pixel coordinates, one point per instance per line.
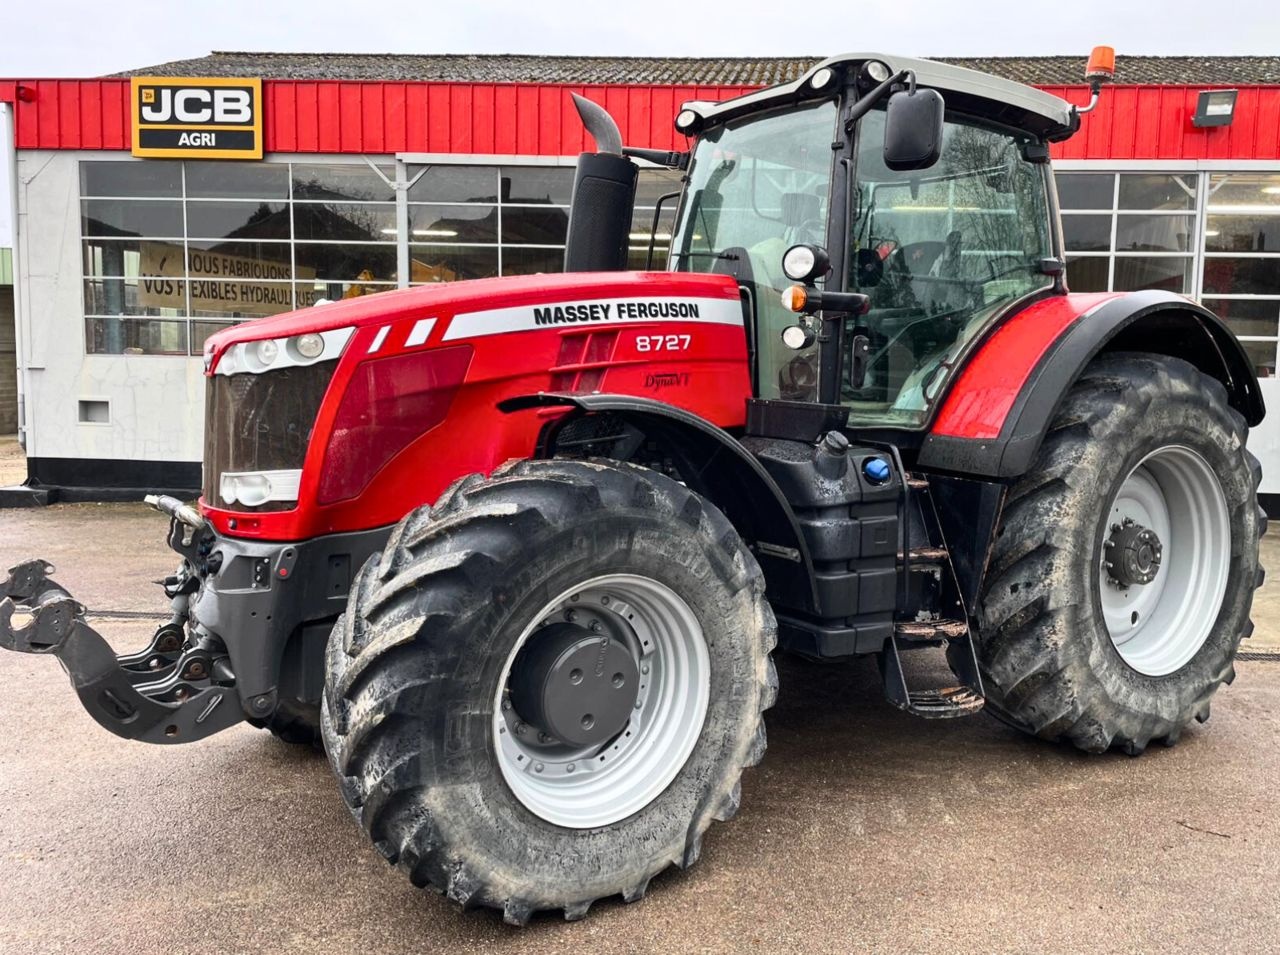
(596, 786)
(1159, 626)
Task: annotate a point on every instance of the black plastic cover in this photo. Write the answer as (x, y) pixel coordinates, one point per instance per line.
(604, 191)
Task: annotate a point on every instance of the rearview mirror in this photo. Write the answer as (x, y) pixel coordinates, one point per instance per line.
(913, 130)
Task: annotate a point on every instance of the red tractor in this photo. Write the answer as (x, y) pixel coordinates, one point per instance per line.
(518, 550)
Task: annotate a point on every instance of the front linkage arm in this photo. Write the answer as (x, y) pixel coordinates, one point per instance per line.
(164, 694)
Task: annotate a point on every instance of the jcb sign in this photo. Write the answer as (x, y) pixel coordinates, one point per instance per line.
(183, 117)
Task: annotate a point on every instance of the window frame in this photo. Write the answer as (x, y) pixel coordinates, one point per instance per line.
(397, 171)
(1204, 172)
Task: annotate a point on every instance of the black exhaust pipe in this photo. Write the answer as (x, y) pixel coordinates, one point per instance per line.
(604, 195)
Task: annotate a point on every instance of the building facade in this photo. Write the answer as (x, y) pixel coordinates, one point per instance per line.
(385, 172)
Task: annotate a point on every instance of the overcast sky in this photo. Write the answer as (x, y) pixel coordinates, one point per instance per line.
(69, 38)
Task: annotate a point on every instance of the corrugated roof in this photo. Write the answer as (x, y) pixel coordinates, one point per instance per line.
(670, 71)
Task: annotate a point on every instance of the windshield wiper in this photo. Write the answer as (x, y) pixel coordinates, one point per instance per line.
(707, 255)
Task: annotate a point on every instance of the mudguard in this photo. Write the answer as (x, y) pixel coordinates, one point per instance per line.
(995, 414)
(716, 465)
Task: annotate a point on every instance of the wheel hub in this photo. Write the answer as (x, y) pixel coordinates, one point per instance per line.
(1172, 496)
(1133, 553)
(575, 685)
(666, 686)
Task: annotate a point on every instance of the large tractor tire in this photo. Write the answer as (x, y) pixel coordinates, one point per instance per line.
(294, 722)
(549, 684)
(1123, 572)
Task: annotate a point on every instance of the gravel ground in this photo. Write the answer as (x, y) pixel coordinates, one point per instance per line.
(863, 830)
(13, 463)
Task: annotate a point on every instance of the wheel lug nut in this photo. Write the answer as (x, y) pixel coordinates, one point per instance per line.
(571, 615)
(595, 625)
(569, 768)
(506, 705)
(645, 668)
(537, 767)
(605, 600)
(521, 729)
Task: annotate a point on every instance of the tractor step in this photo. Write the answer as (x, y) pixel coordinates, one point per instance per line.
(926, 555)
(945, 703)
(930, 630)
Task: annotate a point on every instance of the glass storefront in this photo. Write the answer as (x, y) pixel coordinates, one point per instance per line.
(1214, 236)
(174, 251)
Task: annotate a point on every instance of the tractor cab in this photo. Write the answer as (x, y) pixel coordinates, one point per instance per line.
(924, 188)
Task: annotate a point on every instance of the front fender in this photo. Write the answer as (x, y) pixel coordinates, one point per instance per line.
(716, 465)
(995, 415)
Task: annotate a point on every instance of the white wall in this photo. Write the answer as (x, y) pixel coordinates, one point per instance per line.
(157, 401)
(5, 181)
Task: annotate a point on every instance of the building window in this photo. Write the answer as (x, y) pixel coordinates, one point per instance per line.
(474, 222)
(1128, 231)
(174, 251)
(654, 185)
(1240, 281)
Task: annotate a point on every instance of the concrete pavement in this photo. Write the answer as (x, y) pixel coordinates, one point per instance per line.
(863, 830)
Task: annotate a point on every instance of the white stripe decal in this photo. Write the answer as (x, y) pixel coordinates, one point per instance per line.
(418, 335)
(594, 313)
(379, 338)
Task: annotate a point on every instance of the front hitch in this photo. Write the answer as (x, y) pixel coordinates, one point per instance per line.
(164, 694)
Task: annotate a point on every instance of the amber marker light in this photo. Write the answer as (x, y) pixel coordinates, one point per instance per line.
(794, 298)
(1102, 64)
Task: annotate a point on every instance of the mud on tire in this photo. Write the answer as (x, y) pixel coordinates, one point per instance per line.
(1048, 663)
(415, 666)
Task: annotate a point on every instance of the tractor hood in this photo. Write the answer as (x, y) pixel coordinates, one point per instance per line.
(345, 416)
(477, 299)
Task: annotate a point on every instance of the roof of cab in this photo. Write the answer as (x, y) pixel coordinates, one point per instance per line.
(1006, 100)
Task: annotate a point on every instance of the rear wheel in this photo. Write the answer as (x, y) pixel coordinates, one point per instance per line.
(1120, 583)
(548, 686)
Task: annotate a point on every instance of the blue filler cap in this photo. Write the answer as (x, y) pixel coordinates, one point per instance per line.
(876, 470)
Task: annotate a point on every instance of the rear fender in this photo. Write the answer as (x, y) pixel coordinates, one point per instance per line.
(716, 465)
(996, 413)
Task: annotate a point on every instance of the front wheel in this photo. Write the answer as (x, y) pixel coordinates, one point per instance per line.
(1123, 573)
(549, 684)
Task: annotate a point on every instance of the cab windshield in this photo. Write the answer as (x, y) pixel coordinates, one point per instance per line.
(941, 252)
(756, 187)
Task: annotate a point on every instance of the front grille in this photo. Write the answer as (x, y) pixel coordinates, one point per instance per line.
(260, 423)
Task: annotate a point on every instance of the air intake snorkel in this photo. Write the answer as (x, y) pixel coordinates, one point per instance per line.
(604, 191)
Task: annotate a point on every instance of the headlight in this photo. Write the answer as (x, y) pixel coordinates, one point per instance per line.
(804, 263)
(687, 121)
(877, 70)
(821, 78)
(269, 354)
(252, 488)
(267, 351)
(310, 346)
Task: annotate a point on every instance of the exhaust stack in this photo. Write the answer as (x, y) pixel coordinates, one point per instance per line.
(604, 191)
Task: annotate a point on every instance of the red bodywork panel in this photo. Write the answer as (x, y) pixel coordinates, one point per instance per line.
(982, 394)
(676, 337)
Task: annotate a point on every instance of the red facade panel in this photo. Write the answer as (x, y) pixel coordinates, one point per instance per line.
(1131, 122)
(1154, 122)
